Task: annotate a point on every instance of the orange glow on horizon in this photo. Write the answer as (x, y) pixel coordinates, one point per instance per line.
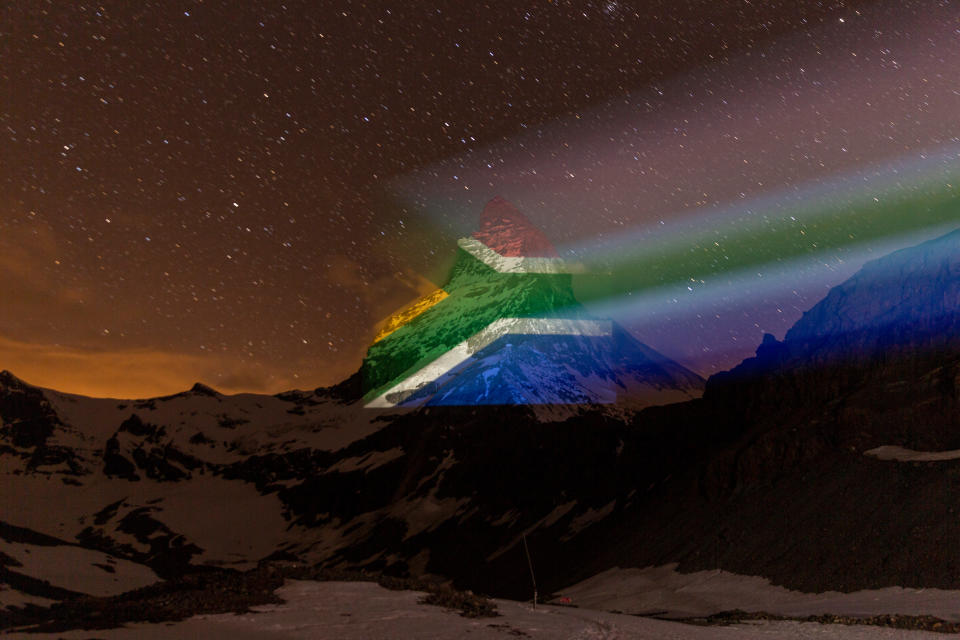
(140, 373)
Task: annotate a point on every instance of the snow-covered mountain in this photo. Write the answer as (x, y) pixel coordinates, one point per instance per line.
(613, 369)
(911, 296)
(506, 329)
(769, 474)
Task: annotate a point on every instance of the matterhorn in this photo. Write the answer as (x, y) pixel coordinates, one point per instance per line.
(506, 329)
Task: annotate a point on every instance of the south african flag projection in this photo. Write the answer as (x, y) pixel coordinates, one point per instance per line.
(506, 329)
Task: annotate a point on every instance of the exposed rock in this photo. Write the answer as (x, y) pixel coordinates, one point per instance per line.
(201, 389)
(27, 418)
(508, 232)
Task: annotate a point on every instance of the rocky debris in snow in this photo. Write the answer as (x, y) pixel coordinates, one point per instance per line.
(895, 621)
(469, 604)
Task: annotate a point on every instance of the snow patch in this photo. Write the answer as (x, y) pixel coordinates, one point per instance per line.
(891, 452)
(367, 462)
(587, 518)
(547, 521)
(91, 572)
(668, 593)
(367, 611)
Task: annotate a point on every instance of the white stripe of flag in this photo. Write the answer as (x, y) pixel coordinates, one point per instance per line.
(443, 368)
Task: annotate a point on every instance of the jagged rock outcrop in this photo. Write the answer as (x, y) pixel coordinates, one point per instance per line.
(509, 233)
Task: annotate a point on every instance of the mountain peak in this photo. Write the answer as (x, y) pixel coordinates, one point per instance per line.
(7, 379)
(508, 232)
(203, 390)
(506, 329)
(916, 287)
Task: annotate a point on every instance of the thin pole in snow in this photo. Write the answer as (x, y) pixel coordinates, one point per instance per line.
(533, 578)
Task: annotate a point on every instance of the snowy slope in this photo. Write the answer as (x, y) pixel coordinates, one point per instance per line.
(366, 611)
(138, 488)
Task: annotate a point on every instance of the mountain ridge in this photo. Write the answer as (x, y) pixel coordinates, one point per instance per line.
(766, 474)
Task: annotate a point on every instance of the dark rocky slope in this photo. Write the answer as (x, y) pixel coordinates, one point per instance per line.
(770, 476)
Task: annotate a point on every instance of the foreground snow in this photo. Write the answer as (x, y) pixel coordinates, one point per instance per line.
(74, 568)
(891, 452)
(667, 593)
(363, 610)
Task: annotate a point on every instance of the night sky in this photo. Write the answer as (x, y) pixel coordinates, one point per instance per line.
(237, 192)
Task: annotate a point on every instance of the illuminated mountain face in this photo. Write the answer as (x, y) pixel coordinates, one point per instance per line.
(508, 232)
(507, 329)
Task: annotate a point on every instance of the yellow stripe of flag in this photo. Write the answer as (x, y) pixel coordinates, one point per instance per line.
(409, 312)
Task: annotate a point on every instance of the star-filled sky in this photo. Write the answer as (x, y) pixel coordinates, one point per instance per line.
(238, 192)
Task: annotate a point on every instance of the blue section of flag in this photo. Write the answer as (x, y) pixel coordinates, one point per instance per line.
(528, 369)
